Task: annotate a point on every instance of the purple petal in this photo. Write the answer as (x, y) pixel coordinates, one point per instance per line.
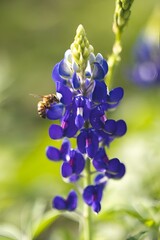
(74, 178)
(75, 81)
(88, 194)
(105, 66)
(64, 70)
(116, 169)
(99, 164)
(98, 72)
(71, 129)
(81, 141)
(55, 131)
(95, 117)
(72, 201)
(66, 170)
(110, 126)
(55, 74)
(66, 93)
(55, 111)
(100, 179)
(86, 110)
(65, 148)
(121, 171)
(79, 121)
(99, 192)
(100, 92)
(53, 153)
(92, 147)
(79, 163)
(121, 128)
(59, 203)
(116, 95)
(96, 206)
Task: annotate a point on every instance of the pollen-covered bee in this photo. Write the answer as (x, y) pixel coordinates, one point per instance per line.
(45, 103)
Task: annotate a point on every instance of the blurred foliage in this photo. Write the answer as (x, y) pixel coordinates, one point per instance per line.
(34, 36)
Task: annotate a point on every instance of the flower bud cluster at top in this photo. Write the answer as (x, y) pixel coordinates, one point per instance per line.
(122, 14)
(82, 112)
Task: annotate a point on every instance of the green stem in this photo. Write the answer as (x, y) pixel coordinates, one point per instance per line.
(87, 210)
(114, 58)
(121, 17)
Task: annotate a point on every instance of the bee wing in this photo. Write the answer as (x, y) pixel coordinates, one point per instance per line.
(36, 95)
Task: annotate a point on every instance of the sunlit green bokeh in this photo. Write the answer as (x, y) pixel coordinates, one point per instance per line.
(33, 37)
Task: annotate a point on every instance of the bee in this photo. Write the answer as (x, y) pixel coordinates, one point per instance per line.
(45, 103)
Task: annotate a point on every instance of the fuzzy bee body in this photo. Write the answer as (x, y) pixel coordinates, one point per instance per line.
(45, 103)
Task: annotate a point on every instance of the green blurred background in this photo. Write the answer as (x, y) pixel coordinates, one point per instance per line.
(33, 37)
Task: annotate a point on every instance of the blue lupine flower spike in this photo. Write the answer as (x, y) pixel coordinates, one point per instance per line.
(82, 114)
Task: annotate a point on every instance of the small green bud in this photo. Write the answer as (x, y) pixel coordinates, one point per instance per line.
(122, 14)
(125, 5)
(81, 48)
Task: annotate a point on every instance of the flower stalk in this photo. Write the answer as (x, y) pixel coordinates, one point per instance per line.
(121, 17)
(87, 229)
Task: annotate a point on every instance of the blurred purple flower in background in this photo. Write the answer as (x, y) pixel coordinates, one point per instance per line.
(146, 66)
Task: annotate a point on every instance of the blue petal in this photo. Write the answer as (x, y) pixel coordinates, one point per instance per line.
(55, 111)
(75, 81)
(55, 74)
(105, 66)
(86, 110)
(98, 72)
(55, 131)
(59, 203)
(99, 58)
(111, 105)
(92, 147)
(100, 160)
(81, 141)
(88, 194)
(110, 126)
(79, 121)
(96, 206)
(116, 95)
(116, 169)
(121, 128)
(53, 153)
(65, 148)
(79, 163)
(71, 129)
(100, 180)
(64, 70)
(74, 178)
(121, 171)
(66, 170)
(95, 118)
(99, 192)
(66, 93)
(72, 201)
(100, 92)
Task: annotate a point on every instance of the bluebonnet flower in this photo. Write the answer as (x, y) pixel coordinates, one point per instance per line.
(73, 161)
(82, 113)
(92, 194)
(112, 168)
(68, 204)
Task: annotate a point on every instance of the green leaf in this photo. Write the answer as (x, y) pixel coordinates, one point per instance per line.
(9, 232)
(137, 236)
(44, 223)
